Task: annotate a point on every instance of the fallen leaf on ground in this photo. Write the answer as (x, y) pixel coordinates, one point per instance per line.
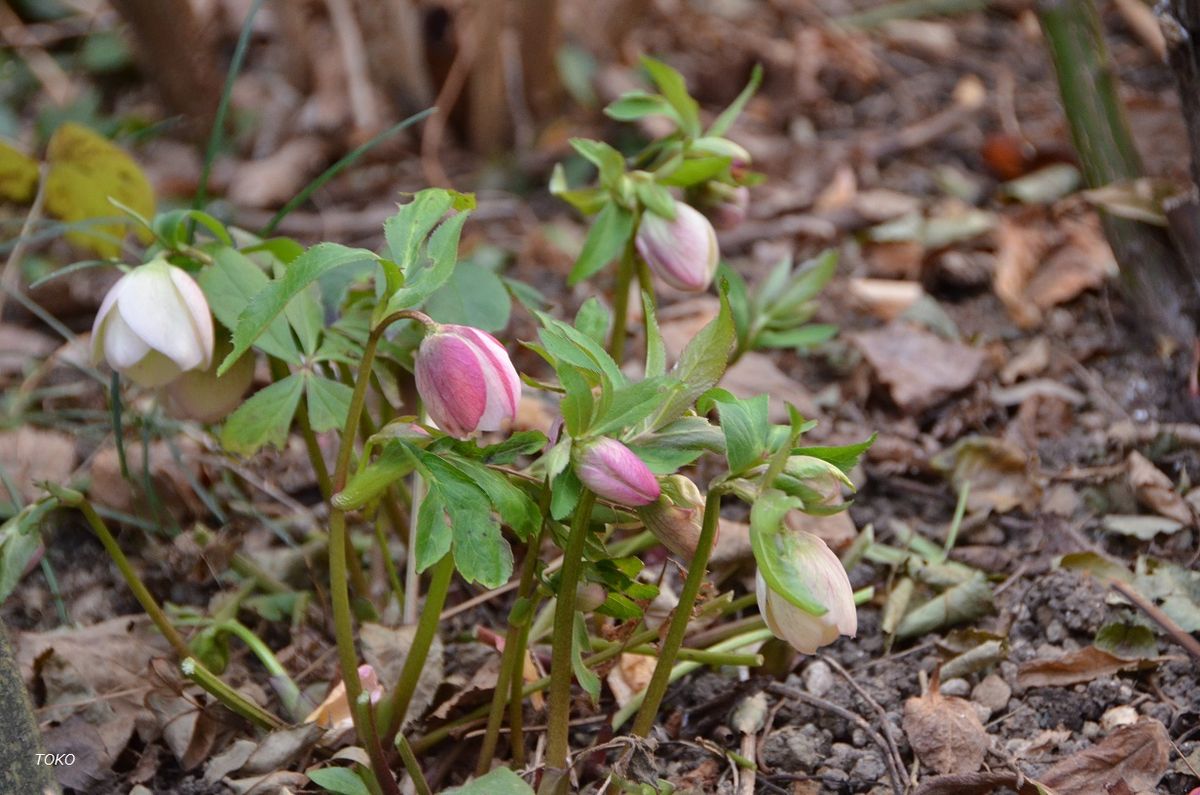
(997, 470)
(945, 732)
(1140, 527)
(1136, 755)
(168, 477)
(918, 368)
(21, 347)
(1020, 247)
(274, 179)
(630, 676)
(29, 456)
(1175, 589)
(1032, 360)
(885, 298)
(1155, 490)
(386, 648)
(1082, 665)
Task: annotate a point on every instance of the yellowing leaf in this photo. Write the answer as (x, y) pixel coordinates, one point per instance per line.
(85, 171)
(18, 174)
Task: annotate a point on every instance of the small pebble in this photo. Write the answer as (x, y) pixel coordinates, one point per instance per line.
(1118, 716)
(992, 693)
(818, 678)
(1055, 632)
(955, 687)
(1091, 729)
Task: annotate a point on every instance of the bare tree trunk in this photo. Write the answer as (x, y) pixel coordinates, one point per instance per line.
(176, 53)
(20, 770)
(1154, 276)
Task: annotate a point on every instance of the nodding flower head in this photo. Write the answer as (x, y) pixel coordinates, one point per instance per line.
(675, 520)
(828, 583)
(683, 251)
(466, 380)
(153, 325)
(615, 473)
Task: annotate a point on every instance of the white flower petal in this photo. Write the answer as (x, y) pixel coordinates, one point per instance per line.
(198, 310)
(106, 307)
(154, 309)
(122, 347)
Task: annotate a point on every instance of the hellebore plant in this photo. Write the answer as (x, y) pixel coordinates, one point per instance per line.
(383, 349)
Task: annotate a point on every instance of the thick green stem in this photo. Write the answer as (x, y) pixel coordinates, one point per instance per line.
(231, 698)
(625, 271)
(558, 730)
(413, 768)
(679, 621)
(140, 592)
(343, 618)
(391, 716)
(512, 667)
(281, 680)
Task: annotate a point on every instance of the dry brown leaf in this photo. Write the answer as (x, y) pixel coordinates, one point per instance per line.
(475, 691)
(169, 477)
(1020, 248)
(1031, 361)
(997, 470)
(1084, 262)
(885, 298)
(274, 179)
(1136, 755)
(29, 456)
(630, 676)
(945, 732)
(1155, 490)
(733, 544)
(1082, 665)
(385, 649)
(21, 347)
(918, 368)
(839, 193)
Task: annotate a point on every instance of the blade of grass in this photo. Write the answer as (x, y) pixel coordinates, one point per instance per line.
(340, 166)
(214, 138)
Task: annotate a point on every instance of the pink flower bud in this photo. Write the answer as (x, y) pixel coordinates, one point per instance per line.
(466, 380)
(615, 473)
(683, 252)
(370, 682)
(153, 325)
(827, 581)
(202, 396)
(729, 205)
(589, 596)
(676, 521)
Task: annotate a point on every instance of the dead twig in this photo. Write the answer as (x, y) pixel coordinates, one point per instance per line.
(783, 691)
(1177, 633)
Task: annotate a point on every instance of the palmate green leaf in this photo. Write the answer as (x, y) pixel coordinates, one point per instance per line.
(700, 366)
(780, 552)
(578, 403)
(678, 444)
(339, 780)
(674, 89)
(500, 781)
(405, 232)
(272, 300)
(801, 337)
(747, 428)
(472, 295)
(265, 418)
(172, 227)
(656, 349)
(634, 105)
(328, 402)
(628, 405)
(394, 463)
(481, 553)
(608, 161)
(19, 542)
(844, 457)
(605, 241)
(228, 284)
(422, 278)
(515, 507)
(656, 199)
(568, 344)
(594, 320)
(695, 170)
(580, 644)
(434, 536)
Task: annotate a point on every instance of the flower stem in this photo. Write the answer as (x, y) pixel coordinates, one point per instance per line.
(281, 680)
(683, 668)
(392, 713)
(558, 737)
(140, 592)
(512, 668)
(625, 271)
(231, 698)
(413, 768)
(339, 591)
(679, 621)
